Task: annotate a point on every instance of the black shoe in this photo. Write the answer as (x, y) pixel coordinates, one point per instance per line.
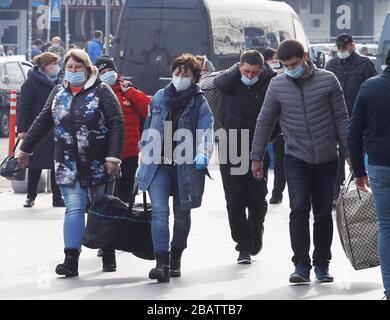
(322, 274)
(29, 203)
(109, 261)
(175, 262)
(161, 271)
(275, 200)
(301, 275)
(244, 258)
(100, 253)
(257, 242)
(59, 203)
(71, 264)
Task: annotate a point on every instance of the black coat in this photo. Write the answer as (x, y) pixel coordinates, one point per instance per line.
(88, 128)
(34, 93)
(351, 74)
(242, 104)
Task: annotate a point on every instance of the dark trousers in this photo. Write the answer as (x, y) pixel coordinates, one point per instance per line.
(242, 192)
(311, 186)
(279, 177)
(32, 184)
(126, 182)
(340, 177)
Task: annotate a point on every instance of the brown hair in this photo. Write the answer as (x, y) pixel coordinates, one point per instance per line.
(252, 57)
(79, 56)
(45, 58)
(187, 61)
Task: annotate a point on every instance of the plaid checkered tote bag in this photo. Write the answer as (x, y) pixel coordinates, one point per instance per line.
(357, 226)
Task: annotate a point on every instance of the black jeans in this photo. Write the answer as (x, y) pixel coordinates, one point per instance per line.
(340, 177)
(243, 192)
(126, 182)
(311, 186)
(32, 184)
(279, 176)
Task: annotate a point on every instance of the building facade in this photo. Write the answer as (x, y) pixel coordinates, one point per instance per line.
(85, 16)
(325, 19)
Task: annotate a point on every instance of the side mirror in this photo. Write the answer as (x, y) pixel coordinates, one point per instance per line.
(320, 60)
(4, 79)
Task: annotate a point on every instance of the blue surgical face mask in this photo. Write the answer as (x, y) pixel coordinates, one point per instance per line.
(109, 77)
(75, 78)
(295, 73)
(249, 82)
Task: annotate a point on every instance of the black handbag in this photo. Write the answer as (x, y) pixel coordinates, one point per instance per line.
(10, 168)
(114, 224)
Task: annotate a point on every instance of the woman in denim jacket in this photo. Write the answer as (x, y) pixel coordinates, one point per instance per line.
(176, 146)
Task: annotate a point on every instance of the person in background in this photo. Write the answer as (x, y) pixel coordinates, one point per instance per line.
(369, 131)
(41, 79)
(58, 49)
(351, 69)
(244, 87)
(134, 105)
(364, 51)
(181, 105)
(94, 46)
(47, 46)
(88, 137)
(36, 49)
(271, 57)
(310, 106)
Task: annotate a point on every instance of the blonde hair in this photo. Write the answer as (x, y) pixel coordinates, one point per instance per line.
(79, 56)
(45, 58)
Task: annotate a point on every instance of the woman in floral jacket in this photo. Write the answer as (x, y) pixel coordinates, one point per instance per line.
(88, 136)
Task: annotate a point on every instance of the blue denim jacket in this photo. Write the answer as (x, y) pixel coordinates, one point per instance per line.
(196, 115)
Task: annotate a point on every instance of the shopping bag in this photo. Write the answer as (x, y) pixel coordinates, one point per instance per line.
(357, 226)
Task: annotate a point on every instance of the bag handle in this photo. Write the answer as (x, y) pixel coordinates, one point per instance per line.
(144, 199)
(351, 177)
(108, 182)
(15, 146)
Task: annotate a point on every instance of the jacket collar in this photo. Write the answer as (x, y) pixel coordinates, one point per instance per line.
(93, 77)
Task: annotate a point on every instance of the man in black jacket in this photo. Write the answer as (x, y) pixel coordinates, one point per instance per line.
(352, 70)
(369, 129)
(243, 87)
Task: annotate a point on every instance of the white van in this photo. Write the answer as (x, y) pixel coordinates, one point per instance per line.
(152, 33)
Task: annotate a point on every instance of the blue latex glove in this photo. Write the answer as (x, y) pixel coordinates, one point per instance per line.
(201, 161)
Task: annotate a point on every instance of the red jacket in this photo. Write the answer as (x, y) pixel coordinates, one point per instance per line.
(134, 105)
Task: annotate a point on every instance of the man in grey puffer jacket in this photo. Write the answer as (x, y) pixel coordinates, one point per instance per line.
(312, 113)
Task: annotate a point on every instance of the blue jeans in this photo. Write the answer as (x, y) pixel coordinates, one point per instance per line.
(76, 200)
(380, 184)
(163, 185)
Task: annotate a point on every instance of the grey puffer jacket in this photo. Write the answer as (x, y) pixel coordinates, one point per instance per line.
(312, 114)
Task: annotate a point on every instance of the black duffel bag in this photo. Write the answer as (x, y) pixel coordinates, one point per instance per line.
(114, 224)
(10, 168)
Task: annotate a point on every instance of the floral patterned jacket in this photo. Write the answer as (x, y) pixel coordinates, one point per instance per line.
(88, 130)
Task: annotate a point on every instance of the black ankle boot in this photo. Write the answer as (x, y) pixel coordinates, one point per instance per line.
(161, 271)
(109, 261)
(70, 267)
(175, 262)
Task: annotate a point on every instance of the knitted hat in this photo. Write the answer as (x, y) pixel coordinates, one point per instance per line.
(104, 61)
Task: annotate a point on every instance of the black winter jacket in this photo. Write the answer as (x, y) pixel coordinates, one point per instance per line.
(34, 93)
(88, 130)
(242, 103)
(352, 73)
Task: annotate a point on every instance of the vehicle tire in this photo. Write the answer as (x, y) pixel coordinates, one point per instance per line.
(4, 124)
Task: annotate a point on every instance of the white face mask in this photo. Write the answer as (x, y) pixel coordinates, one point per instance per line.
(343, 54)
(181, 83)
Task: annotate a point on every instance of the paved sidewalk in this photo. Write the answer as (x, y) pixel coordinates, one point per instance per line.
(31, 246)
